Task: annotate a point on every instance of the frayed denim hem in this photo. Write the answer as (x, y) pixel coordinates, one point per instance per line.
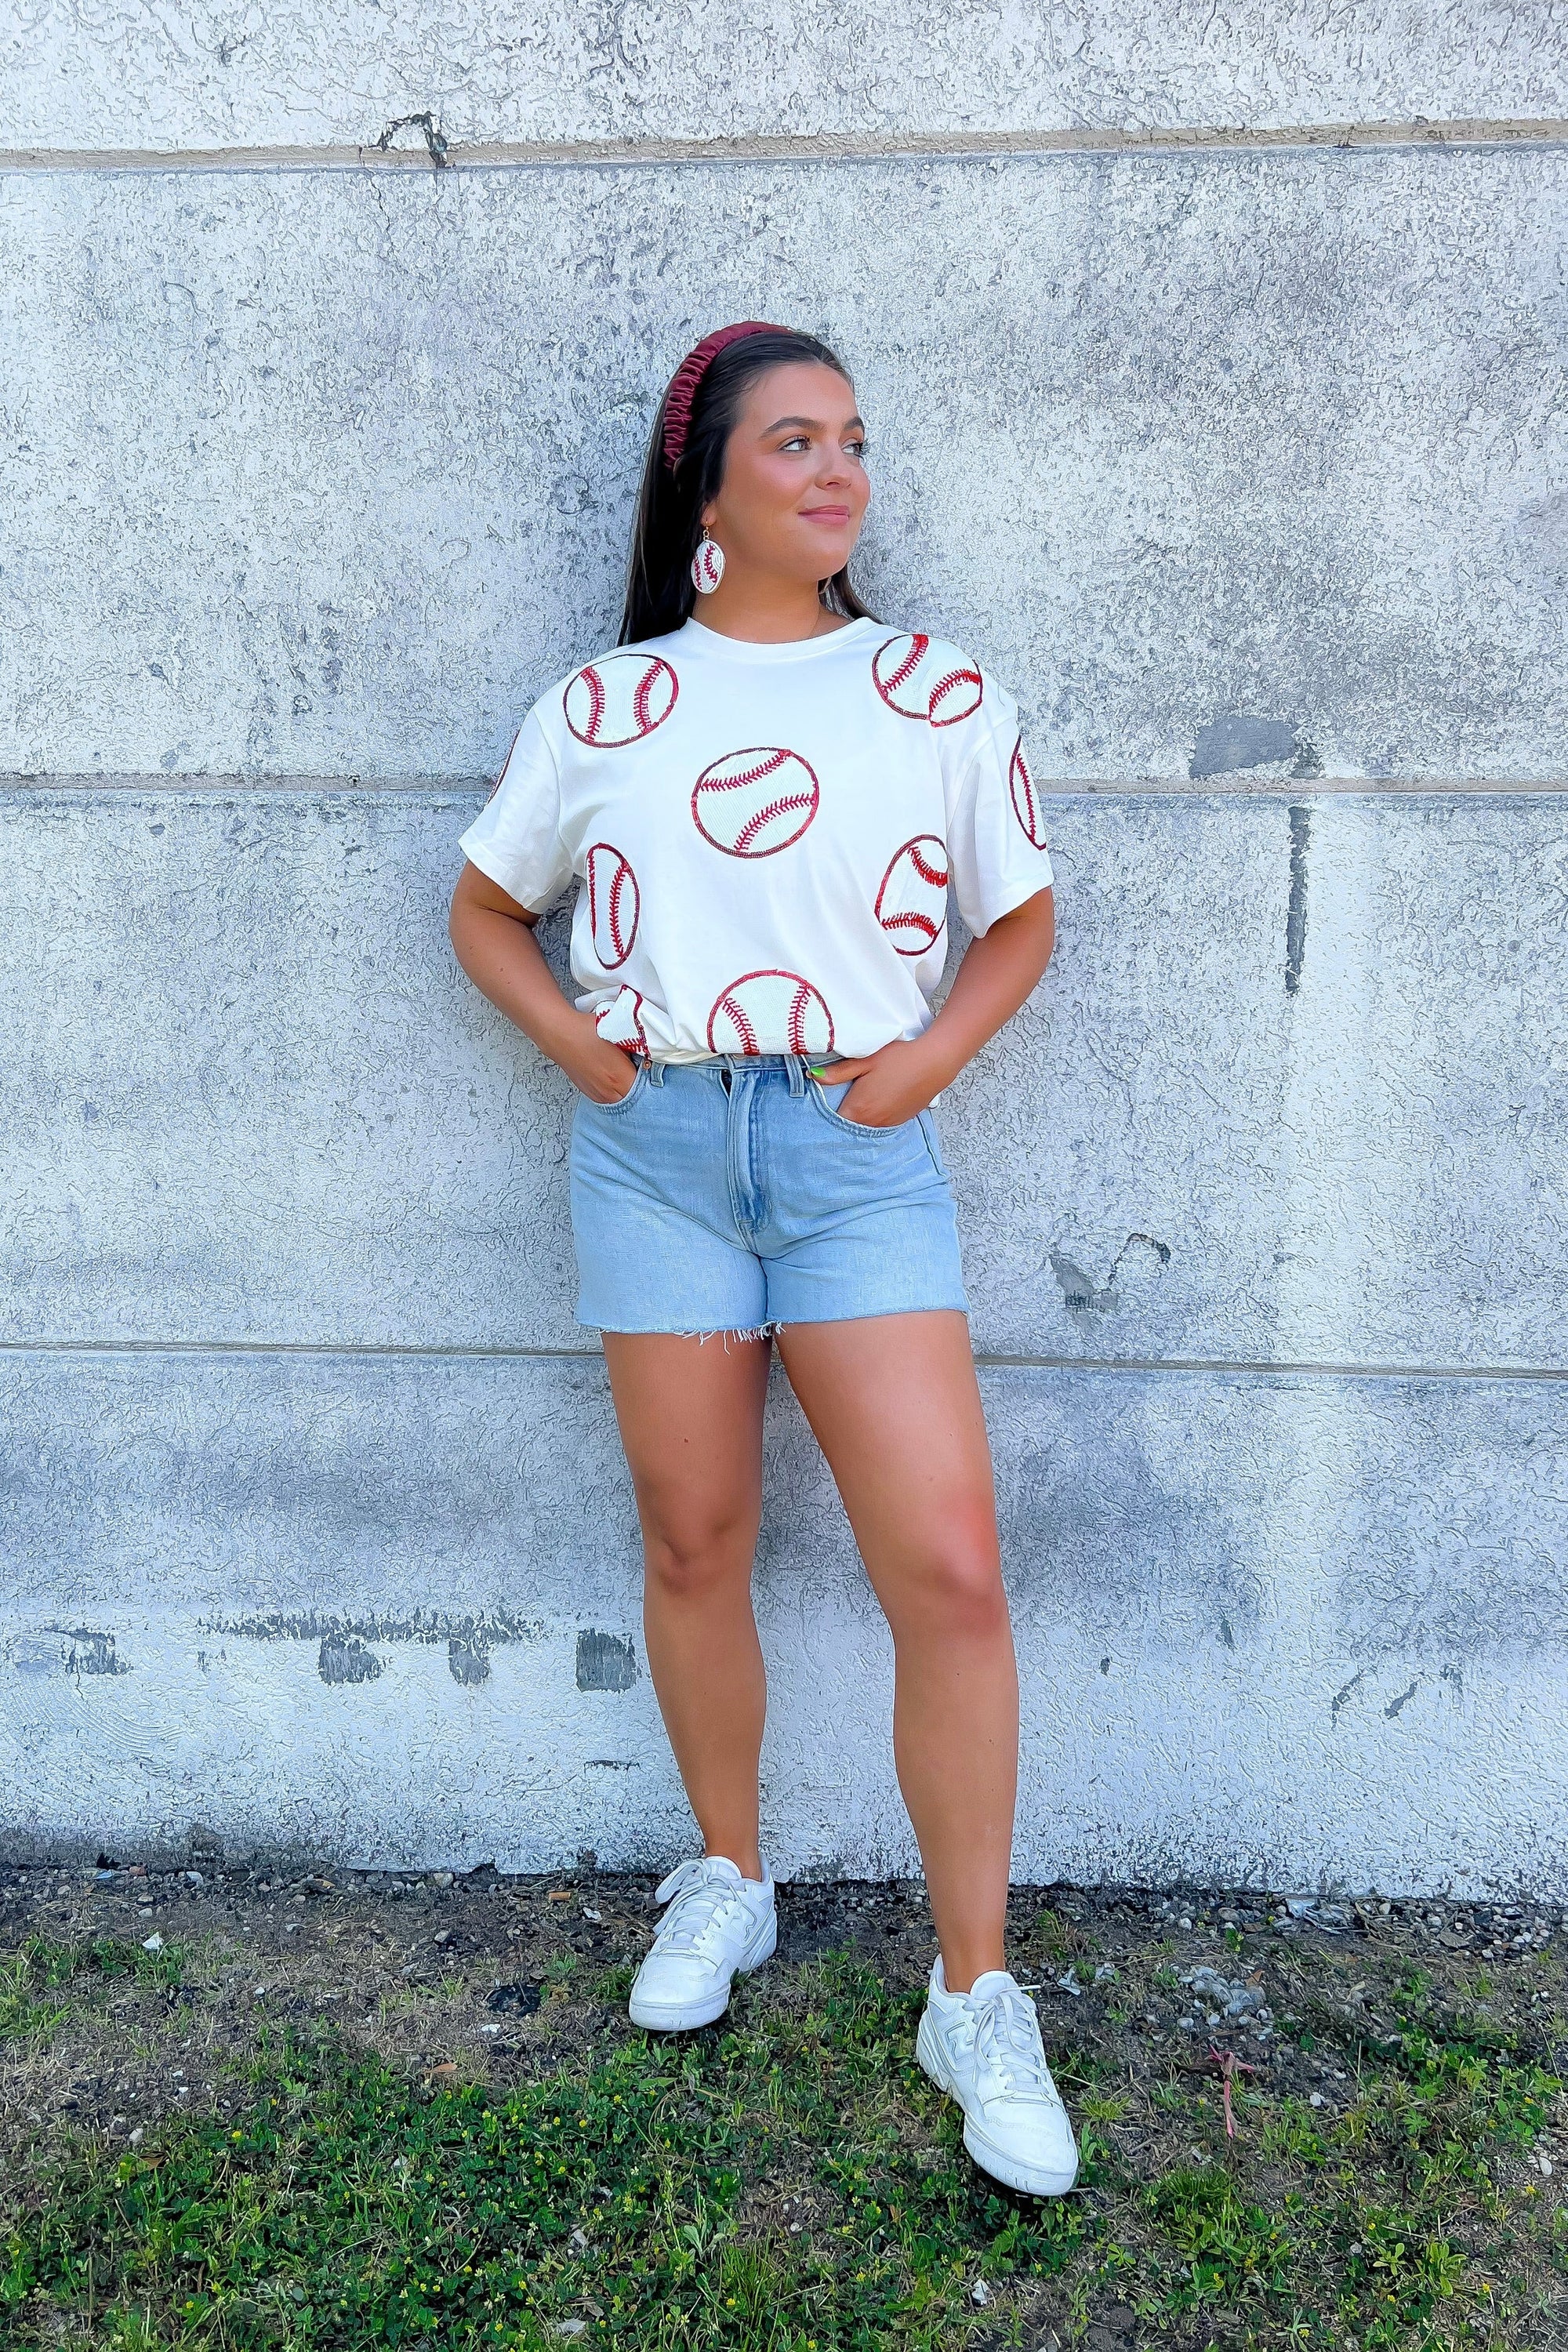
(752, 1331)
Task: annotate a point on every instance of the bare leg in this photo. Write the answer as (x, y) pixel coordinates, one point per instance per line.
(691, 1413)
(895, 1406)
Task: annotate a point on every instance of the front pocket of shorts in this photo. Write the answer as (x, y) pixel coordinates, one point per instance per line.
(851, 1126)
(619, 1109)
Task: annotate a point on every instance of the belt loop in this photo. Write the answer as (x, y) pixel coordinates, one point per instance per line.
(654, 1071)
(796, 1075)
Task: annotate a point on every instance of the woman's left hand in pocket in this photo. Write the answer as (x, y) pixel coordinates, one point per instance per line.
(888, 1087)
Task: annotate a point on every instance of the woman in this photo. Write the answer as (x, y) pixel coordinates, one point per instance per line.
(765, 806)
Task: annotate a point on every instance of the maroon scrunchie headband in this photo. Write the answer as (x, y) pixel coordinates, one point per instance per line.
(683, 383)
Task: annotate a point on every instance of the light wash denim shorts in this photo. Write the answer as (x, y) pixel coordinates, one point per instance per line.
(729, 1196)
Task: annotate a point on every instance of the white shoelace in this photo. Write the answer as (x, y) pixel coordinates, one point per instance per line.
(1005, 2035)
(698, 1900)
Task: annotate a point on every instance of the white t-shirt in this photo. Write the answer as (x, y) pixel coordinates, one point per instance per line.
(766, 833)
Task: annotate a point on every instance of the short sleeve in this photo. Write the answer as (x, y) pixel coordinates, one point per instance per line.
(996, 835)
(516, 837)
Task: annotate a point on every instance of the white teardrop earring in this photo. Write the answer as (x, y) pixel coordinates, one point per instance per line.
(708, 565)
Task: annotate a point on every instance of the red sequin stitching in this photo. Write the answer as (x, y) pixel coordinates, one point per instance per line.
(744, 775)
(910, 662)
(750, 831)
(622, 872)
(617, 890)
(1026, 802)
(955, 678)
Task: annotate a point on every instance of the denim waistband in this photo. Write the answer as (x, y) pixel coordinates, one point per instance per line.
(797, 1068)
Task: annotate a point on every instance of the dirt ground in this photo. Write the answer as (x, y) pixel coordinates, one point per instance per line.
(520, 1964)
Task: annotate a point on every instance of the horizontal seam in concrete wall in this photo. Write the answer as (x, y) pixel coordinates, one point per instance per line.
(352, 1351)
(827, 147)
(1233, 785)
(153, 780)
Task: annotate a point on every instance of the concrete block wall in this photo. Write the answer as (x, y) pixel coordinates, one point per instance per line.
(1213, 361)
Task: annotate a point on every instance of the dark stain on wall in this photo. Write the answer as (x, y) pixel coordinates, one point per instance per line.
(1227, 746)
(92, 1654)
(429, 130)
(480, 1631)
(1081, 1295)
(1117, 1540)
(605, 1663)
(1296, 912)
(67, 1650)
(346, 1660)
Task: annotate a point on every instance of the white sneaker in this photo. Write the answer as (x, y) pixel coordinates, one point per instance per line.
(983, 2048)
(718, 1924)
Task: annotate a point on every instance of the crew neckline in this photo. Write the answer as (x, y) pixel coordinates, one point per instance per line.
(783, 649)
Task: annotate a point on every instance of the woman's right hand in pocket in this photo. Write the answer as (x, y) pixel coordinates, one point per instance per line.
(602, 1072)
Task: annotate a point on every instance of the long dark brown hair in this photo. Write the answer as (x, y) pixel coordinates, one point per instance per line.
(661, 592)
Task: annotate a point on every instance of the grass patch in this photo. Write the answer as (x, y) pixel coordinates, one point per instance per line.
(788, 2181)
(35, 1978)
(348, 2209)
